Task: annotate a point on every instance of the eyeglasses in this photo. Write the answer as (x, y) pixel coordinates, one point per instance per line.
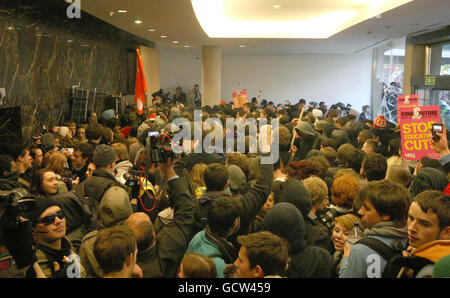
(48, 220)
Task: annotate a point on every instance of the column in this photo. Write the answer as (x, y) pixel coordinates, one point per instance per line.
(151, 60)
(415, 61)
(211, 75)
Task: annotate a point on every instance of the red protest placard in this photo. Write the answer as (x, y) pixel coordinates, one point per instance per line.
(240, 98)
(407, 101)
(415, 129)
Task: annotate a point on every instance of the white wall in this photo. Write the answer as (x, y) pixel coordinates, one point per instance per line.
(329, 78)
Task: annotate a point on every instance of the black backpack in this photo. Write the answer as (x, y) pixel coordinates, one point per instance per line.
(390, 254)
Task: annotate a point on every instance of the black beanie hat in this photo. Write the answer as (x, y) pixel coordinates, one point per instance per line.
(293, 191)
(42, 204)
(285, 220)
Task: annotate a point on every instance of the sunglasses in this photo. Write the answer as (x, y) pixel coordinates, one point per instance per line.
(48, 220)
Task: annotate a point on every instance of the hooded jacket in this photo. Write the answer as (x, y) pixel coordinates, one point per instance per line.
(356, 265)
(293, 191)
(96, 186)
(309, 141)
(114, 209)
(78, 221)
(425, 257)
(163, 258)
(286, 221)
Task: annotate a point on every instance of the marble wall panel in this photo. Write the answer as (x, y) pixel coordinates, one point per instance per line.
(43, 54)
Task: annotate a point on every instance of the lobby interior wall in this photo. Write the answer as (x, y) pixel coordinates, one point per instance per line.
(43, 54)
(330, 78)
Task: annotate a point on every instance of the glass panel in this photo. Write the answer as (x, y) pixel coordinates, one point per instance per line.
(445, 62)
(387, 82)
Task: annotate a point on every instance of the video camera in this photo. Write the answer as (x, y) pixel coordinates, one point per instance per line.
(160, 146)
(12, 204)
(131, 184)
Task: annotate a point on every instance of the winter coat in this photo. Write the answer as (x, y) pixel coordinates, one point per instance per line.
(356, 265)
(164, 257)
(114, 209)
(286, 221)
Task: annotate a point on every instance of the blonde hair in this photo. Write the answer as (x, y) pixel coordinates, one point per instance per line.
(121, 150)
(318, 189)
(54, 161)
(348, 221)
(197, 175)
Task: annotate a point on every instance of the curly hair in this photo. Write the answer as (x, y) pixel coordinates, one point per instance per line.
(374, 167)
(344, 189)
(54, 161)
(302, 169)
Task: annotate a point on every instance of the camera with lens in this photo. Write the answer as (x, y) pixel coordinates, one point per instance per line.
(68, 181)
(14, 203)
(161, 146)
(131, 184)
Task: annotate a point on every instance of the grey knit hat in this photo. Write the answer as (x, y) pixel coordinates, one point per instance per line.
(104, 155)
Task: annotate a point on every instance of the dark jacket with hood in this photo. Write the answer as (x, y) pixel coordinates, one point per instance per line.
(164, 256)
(293, 191)
(96, 186)
(114, 209)
(310, 140)
(10, 181)
(78, 221)
(286, 221)
(250, 203)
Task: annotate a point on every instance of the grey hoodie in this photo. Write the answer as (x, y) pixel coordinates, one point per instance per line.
(114, 209)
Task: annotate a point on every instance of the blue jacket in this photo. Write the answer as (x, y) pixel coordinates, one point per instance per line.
(364, 262)
(201, 245)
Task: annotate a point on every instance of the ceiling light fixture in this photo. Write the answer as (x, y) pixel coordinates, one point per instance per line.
(151, 30)
(187, 46)
(220, 19)
(163, 36)
(121, 11)
(175, 41)
(242, 46)
(138, 22)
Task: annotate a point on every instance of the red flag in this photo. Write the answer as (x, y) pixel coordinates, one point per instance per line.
(140, 87)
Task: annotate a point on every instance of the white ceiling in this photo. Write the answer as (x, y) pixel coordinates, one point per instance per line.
(176, 20)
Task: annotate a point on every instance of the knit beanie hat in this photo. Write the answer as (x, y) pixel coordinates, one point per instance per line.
(42, 204)
(293, 191)
(104, 155)
(380, 122)
(441, 268)
(286, 221)
(48, 141)
(236, 177)
(428, 179)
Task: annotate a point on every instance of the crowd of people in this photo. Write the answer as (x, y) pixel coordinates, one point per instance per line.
(340, 201)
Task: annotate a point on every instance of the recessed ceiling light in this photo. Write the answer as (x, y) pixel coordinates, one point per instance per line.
(138, 22)
(187, 46)
(276, 6)
(121, 11)
(242, 46)
(70, 40)
(175, 41)
(151, 30)
(163, 36)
